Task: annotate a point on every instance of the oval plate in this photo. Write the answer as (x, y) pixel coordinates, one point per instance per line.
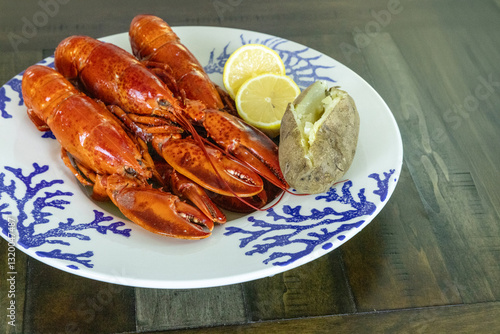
(49, 215)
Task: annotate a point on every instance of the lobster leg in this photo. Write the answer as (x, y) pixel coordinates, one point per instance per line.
(164, 72)
(228, 102)
(266, 196)
(39, 123)
(234, 204)
(196, 194)
(65, 158)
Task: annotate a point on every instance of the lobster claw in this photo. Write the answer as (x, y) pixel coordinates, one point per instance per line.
(189, 159)
(246, 143)
(157, 211)
(197, 195)
(187, 189)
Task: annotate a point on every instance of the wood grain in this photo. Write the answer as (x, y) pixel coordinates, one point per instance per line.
(475, 318)
(159, 309)
(314, 289)
(429, 262)
(431, 162)
(57, 301)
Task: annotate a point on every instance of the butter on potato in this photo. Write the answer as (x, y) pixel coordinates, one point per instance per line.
(318, 138)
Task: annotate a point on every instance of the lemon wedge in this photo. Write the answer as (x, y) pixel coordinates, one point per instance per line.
(247, 61)
(262, 100)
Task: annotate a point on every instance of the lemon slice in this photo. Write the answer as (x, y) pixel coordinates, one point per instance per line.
(247, 61)
(262, 100)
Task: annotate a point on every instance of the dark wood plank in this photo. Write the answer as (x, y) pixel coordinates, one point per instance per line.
(171, 309)
(467, 97)
(314, 289)
(33, 27)
(12, 63)
(57, 301)
(435, 160)
(475, 318)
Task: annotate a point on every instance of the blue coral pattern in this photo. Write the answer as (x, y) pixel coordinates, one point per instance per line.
(28, 199)
(293, 227)
(15, 85)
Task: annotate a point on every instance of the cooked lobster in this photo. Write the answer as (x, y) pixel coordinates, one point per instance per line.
(154, 42)
(149, 108)
(106, 157)
(153, 112)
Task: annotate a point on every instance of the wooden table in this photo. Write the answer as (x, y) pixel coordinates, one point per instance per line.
(428, 263)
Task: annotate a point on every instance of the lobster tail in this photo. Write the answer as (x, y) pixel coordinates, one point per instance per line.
(72, 53)
(152, 40)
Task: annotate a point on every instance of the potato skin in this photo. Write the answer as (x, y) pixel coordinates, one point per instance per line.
(332, 152)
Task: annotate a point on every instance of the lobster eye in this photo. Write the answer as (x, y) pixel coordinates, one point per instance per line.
(130, 171)
(164, 103)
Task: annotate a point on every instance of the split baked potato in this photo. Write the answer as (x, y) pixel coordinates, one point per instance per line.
(318, 138)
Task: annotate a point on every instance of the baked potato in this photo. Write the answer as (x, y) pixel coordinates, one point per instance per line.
(318, 138)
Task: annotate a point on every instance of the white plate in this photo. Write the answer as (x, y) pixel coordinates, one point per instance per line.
(53, 220)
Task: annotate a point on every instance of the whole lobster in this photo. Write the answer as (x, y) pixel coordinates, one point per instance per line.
(106, 157)
(154, 42)
(150, 109)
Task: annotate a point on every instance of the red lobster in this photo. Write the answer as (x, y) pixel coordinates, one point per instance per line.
(147, 106)
(153, 41)
(106, 157)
